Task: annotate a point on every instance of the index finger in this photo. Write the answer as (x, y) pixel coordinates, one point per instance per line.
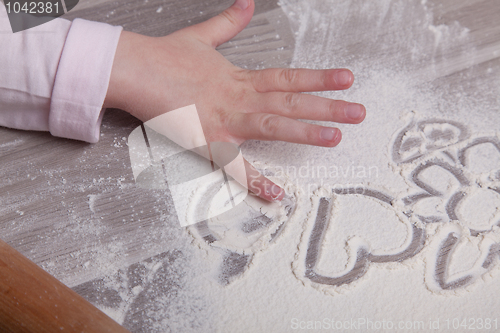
(301, 80)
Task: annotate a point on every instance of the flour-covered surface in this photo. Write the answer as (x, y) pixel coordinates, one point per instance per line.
(396, 229)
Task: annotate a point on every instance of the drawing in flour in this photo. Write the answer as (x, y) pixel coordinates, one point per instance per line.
(452, 206)
(324, 231)
(241, 231)
(455, 183)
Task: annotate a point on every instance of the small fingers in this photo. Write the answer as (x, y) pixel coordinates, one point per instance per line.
(271, 127)
(226, 25)
(261, 186)
(301, 80)
(305, 106)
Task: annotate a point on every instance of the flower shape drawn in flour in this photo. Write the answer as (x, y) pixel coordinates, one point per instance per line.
(457, 182)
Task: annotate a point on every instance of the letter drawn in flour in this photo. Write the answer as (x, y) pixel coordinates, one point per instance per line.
(450, 175)
(240, 232)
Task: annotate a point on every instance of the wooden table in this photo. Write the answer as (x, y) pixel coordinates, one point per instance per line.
(73, 208)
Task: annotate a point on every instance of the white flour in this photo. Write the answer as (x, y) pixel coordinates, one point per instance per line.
(411, 197)
(244, 229)
(415, 239)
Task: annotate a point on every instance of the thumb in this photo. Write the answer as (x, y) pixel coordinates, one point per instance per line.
(226, 25)
(262, 186)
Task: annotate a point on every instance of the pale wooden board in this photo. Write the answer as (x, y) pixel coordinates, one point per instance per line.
(48, 183)
(70, 206)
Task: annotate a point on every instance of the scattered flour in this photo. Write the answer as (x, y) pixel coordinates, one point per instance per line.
(419, 241)
(246, 228)
(416, 239)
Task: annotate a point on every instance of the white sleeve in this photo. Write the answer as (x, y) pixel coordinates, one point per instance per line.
(54, 77)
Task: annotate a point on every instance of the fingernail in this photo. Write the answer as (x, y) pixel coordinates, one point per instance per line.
(354, 111)
(242, 4)
(329, 134)
(343, 78)
(276, 193)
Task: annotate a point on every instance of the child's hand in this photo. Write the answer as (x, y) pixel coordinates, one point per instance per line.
(152, 76)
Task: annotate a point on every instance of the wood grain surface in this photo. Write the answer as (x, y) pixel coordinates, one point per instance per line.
(73, 208)
(33, 301)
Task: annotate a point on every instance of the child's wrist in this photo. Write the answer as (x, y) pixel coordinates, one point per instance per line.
(121, 83)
